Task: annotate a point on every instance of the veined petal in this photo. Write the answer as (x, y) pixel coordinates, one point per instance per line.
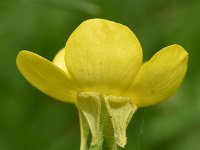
(60, 61)
(160, 76)
(103, 56)
(46, 76)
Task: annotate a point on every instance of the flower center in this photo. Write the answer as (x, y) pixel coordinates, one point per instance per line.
(105, 118)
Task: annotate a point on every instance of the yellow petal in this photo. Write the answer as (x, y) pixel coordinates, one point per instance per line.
(47, 77)
(160, 76)
(103, 56)
(60, 61)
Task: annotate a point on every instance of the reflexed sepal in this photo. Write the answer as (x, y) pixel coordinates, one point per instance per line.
(85, 131)
(105, 118)
(89, 104)
(120, 110)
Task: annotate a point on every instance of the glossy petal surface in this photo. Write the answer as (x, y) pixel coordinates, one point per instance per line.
(160, 76)
(46, 76)
(103, 56)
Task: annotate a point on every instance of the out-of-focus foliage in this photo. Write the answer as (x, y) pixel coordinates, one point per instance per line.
(30, 120)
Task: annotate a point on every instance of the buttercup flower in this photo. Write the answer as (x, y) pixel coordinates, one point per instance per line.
(100, 70)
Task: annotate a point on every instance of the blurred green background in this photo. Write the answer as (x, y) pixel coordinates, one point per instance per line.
(30, 120)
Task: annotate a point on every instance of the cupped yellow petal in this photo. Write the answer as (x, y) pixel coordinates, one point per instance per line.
(59, 60)
(159, 77)
(46, 76)
(103, 56)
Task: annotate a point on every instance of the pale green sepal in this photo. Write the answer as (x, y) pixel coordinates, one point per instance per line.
(90, 105)
(106, 118)
(106, 124)
(85, 131)
(120, 110)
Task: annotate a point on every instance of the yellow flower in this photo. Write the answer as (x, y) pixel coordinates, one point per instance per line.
(100, 70)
